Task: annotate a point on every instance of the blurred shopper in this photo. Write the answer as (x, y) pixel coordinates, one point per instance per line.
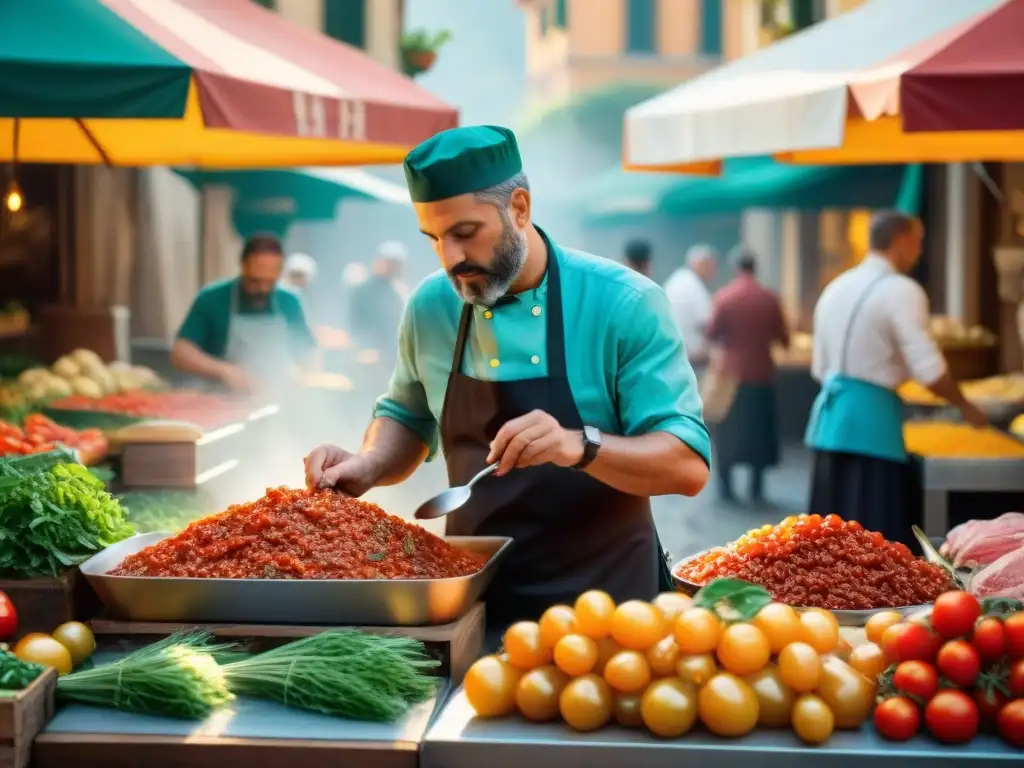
(690, 300)
(746, 322)
(245, 331)
(378, 301)
(299, 272)
(638, 256)
(871, 335)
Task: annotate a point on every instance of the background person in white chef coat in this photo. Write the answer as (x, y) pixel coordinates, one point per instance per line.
(690, 300)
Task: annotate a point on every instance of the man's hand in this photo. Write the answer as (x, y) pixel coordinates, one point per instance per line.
(330, 466)
(235, 379)
(534, 439)
(974, 416)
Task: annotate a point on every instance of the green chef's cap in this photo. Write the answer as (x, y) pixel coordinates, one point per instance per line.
(461, 160)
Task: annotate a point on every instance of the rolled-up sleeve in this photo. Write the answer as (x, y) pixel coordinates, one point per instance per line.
(655, 385)
(406, 399)
(910, 329)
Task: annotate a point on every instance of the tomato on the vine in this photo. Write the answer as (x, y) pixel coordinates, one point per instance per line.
(1014, 627)
(952, 717)
(959, 662)
(916, 678)
(954, 614)
(910, 642)
(990, 703)
(1011, 723)
(897, 718)
(989, 639)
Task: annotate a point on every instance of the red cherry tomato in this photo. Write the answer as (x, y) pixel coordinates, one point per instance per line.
(910, 642)
(954, 614)
(959, 662)
(916, 678)
(8, 617)
(897, 718)
(989, 638)
(990, 703)
(1011, 723)
(952, 717)
(1015, 680)
(1014, 627)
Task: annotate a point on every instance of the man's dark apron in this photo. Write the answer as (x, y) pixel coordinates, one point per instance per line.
(572, 533)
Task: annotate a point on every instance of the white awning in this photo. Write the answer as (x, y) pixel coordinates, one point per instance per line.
(361, 181)
(793, 95)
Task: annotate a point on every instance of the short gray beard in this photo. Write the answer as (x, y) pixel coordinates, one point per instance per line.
(508, 261)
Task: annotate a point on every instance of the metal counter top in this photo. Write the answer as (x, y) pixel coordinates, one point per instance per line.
(457, 740)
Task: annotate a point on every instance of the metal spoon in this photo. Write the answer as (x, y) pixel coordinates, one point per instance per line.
(451, 499)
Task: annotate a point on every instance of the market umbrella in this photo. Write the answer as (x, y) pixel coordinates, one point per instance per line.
(975, 82)
(224, 84)
(826, 95)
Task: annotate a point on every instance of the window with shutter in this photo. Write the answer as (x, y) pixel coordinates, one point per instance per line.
(711, 27)
(641, 26)
(345, 20)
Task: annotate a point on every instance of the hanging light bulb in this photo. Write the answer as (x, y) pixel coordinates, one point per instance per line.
(13, 199)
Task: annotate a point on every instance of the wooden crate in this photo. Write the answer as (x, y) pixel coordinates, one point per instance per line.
(189, 464)
(45, 603)
(22, 716)
(457, 644)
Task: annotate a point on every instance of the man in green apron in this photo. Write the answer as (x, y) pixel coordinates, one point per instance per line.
(246, 332)
(870, 336)
(564, 367)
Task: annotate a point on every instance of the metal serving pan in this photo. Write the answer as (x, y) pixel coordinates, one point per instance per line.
(343, 602)
(845, 618)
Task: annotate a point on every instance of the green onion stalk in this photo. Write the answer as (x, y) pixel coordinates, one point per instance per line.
(344, 673)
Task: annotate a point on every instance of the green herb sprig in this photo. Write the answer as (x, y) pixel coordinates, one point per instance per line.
(733, 599)
(16, 674)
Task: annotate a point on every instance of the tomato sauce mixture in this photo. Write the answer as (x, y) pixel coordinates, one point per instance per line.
(823, 562)
(300, 534)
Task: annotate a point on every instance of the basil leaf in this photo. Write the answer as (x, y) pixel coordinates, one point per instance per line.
(744, 598)
(377, 556)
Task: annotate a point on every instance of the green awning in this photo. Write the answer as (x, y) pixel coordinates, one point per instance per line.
(302, 194)
(617, 197)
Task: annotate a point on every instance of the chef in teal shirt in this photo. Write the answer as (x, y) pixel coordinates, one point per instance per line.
(564, 369)
(246, 332)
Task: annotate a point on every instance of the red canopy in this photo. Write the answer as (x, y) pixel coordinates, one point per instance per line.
(975, 83)
(257, 72)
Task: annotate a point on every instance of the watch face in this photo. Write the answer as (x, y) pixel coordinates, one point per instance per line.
(592, 435)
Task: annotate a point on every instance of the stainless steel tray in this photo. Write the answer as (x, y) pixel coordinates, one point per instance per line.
(845, 618)
(972, 474)
(342, 602)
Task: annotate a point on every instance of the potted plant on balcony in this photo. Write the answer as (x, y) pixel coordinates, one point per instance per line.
(419, 49)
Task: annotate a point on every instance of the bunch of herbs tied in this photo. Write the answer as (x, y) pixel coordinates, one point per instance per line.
(344, 673)
(54, 514)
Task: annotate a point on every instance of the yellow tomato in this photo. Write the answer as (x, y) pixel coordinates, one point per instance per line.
(843, 648)
(594, 611)
(626, 710)
(743, 649)
(555, 623)
(586, 703)
(697, 631)
(538, 691)
(877, 624)
(831, 617)
(813, 721)
(669, 707)
(606, 648)
(728, 706)
(490, 686)
(780, 624)
(698, 668)
(43, 649)
(848, 693)
(662, 656)
(800, 667)
(523, 646)
(575, 655)
(819, 631)
(774, 698)
(637, 625)
(868, 660)
(671, 604)
(627, 672)
(77, 638)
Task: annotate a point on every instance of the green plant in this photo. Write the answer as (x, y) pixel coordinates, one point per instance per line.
(423, 41)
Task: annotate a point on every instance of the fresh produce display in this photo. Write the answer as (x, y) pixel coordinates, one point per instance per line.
(53, 514)
(40, 434)
(826, 562)
(8, 617)
(981, 542)
(730, 659)
(206, 410)
(83, 373)
(958, 671)
(164, 511)
(948, 440)
(300, 534)
(997, 389)
(1017, 425)
(344, 673)
(64, 649)
(16, 674)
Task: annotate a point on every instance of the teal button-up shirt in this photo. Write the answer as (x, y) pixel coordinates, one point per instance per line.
(625, 360)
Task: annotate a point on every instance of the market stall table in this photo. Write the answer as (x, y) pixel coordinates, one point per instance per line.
(996, 484)
(458, 740)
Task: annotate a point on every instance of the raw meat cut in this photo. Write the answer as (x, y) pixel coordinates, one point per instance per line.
(980, 542)
(1004, 578)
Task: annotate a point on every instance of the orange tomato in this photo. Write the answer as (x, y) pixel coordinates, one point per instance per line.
(626, 710)
(637, 625)
(743, 649)
(697, 631)
(627, 672)
(594, 611)
(877, 624)
(606, 648)
(490, 686)
(555, 623)
(538, 692)
(780, 624)
(575, 654)
(800, 667)
(523, 645)
(697, 668)
(868, 659)
(671, 604)
(586, 703)
(662, 656)
(669, 707)
(819, 631)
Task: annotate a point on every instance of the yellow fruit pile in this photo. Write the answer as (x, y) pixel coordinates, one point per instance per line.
(946, 440)
(1001, 389)
(667, 664)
